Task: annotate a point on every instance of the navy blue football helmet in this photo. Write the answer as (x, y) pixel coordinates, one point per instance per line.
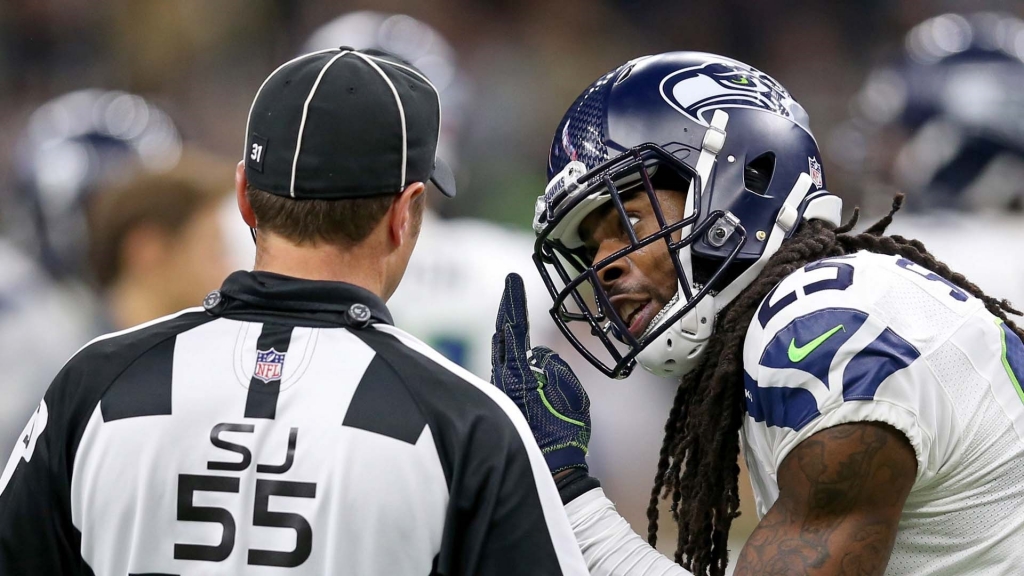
(730, 137)
(75, 146)
(943, 123)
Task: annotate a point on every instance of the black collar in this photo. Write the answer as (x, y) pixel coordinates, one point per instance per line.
(314, 302)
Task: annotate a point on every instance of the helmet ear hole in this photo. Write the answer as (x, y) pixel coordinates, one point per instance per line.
(757, 174)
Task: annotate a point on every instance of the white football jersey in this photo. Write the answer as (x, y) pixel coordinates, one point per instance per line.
(981, 246)
(869, 337)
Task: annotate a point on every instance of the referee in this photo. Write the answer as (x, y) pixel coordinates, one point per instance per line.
(286, 426)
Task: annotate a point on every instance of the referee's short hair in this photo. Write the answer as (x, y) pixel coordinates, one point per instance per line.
(345, 222)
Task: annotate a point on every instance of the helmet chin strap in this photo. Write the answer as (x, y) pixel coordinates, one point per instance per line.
(700, 320)
(714, 140)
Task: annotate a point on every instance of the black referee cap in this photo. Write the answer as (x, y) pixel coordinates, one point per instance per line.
(344, 123)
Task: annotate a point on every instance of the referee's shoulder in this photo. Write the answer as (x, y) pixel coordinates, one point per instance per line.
(443, 390)
(128, 344)
(97, 364)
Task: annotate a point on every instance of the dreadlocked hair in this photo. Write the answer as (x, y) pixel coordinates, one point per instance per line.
(698, 466)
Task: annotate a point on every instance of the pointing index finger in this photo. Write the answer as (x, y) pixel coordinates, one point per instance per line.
(512, 313)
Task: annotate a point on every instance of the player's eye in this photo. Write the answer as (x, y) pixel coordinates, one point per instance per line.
(633, 221)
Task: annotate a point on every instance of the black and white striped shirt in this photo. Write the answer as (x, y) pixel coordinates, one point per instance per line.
(287, 428)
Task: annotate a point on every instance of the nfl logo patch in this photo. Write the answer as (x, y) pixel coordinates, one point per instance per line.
(815, 172)
(268, 365)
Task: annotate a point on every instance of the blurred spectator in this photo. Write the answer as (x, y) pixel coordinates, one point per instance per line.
(156, 245)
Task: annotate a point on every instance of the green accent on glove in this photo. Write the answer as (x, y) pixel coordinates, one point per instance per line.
(544, 399)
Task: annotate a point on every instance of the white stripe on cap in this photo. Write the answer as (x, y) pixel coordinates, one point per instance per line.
(305, 112)
(248, 119)
(422, 77)
(401, 112)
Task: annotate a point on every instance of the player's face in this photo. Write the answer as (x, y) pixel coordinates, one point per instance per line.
(642, 282)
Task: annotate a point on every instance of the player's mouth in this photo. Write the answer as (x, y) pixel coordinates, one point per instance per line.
(635, 313)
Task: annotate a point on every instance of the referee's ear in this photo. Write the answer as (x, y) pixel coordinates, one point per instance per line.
(241, 183)
(406, 215)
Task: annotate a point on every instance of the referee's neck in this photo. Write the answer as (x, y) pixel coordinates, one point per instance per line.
(373, 264)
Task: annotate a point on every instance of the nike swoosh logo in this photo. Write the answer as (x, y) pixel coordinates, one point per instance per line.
(798, 353)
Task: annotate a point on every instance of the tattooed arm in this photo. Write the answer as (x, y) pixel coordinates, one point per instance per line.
(841, 493)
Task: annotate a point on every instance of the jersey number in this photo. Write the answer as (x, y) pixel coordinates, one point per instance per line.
(842, 281)
(189, 484)
(954, 291)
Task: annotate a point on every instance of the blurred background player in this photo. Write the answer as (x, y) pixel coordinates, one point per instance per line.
(71, 147)
(74, 147)
(457, 273)
(100, 234)
(944, 123)
(40, 327)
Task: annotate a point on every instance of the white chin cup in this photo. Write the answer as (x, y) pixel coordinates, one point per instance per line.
(679, 348)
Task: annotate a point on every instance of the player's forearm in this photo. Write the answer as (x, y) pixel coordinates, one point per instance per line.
(787, 546)
(610, 547)
(841, 496)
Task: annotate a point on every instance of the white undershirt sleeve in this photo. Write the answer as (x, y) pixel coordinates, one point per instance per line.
(610, 546)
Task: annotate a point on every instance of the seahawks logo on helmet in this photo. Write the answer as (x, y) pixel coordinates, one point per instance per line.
(697, 92)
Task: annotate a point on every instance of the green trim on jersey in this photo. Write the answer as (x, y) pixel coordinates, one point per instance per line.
(1006, 362)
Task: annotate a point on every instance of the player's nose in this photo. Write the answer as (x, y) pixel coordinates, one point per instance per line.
(612, 271)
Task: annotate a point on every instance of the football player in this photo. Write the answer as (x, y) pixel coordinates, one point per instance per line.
(72, 149)
(942, 124)
(876, 393)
